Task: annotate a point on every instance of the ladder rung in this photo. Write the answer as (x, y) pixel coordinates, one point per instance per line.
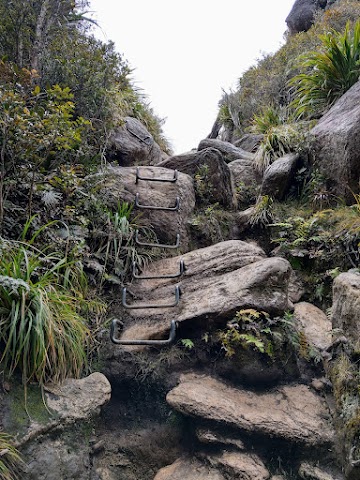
(151, 305)
(151, 207)
(155, 179)
(116, 325)
(156, 277)
(159, 245)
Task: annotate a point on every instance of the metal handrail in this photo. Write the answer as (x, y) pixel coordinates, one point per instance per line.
(152, 207)
(152, 305)
(156, 277)
(159, 245)
(155, 179)
(115, 324)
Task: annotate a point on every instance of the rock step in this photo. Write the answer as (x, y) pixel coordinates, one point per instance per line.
(292, 413)
(218, 281)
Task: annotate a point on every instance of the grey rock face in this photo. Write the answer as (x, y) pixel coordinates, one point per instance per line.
(301, 16)
(116, 184)
(309, 471)
(79, 399)
(245, 180)
(218, 281)
(292, 413)
(279, 175)
(315, 324)
(346, 305)
(249, 142)
(132, 144)
(59, 448)
(188, 469)
(336, 142)
(229, 151)
(210, 165)
(240, 465)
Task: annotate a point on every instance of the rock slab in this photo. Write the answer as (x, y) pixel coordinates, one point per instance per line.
(291, 413)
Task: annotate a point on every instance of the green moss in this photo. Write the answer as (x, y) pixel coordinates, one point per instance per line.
(23, 411)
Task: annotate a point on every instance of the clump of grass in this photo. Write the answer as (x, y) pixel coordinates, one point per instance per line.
(263, 211)
(9, 458)
(42, 332)
(278, 141)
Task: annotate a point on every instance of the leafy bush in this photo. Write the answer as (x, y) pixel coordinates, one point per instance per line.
(42, 332)
(329, 73)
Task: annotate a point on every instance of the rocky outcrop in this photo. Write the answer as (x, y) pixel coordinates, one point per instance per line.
(228, 150)
(315, 325)
(115, 184)
(240, 465)
(132, 144)
(211, 174)
(346, 305)
(308, 471)
(336, 143)
(56, 443)
(189, 469)
(249, 142)
(245, 180)
(218, 281)
(292, 413)
(279, 175)
(301, 16)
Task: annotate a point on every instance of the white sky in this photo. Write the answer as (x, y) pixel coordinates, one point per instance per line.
(184, 53)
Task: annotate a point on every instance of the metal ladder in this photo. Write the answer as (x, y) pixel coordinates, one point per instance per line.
(117, 325)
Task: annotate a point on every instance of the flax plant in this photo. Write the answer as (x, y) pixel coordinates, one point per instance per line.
(329, 72)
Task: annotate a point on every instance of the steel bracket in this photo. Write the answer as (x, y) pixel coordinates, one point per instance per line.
(158, 277)
(152, 305)
(117, 325)
(155, 179)
(175, 208)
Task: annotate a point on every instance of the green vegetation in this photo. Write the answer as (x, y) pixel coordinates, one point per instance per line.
(329, 72)
(9, 458)
(42, 330)
(264, 90)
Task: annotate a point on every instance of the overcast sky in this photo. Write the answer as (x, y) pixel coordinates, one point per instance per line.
(184, 53)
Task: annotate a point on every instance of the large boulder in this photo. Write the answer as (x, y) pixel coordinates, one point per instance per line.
(228, 150)
(291, 413)
(211, 174)
(132, 144)
(249, 142)
(315, 325)
(346, 305)
(245, 180)
(279, 175)
(336, 143)
(218, 281)
(116, 184)
(301, 16)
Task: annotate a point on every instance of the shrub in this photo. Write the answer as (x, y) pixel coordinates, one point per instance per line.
(41, 330)
(329, 73)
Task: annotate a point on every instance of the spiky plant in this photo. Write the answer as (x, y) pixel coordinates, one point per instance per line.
(9, 458)
(42, 333)
(329, 72)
